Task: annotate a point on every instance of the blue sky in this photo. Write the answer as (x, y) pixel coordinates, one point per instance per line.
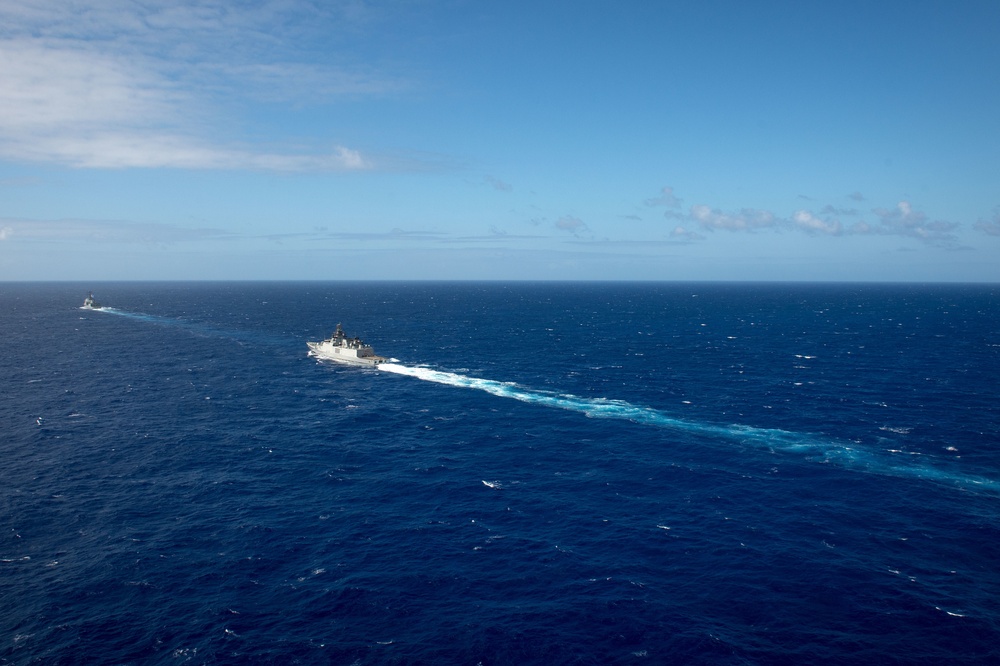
(285, 139)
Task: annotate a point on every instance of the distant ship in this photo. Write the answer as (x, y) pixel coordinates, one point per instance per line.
(90, 304)
(342, 349)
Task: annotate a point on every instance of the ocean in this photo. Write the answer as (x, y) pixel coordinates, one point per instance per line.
(545, 473)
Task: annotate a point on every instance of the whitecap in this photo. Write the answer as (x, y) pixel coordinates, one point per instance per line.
(949, 612)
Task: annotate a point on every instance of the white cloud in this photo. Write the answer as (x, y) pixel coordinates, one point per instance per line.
(903, 216)
(809, 222)
(747, 219)
(681, 232)
(45, 89)
(135, 148)
(115, 84)
(905, 221)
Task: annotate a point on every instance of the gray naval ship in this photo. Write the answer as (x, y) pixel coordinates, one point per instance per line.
(90, 303)
(342, 349)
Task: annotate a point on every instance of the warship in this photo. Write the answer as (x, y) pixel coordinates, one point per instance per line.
(89, 303)
(342, 349)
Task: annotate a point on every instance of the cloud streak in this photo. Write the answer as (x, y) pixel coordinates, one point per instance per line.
(685, 234)
(747, 219)
(116, 84)
(901, 220)
(103, 231)
(806, 221)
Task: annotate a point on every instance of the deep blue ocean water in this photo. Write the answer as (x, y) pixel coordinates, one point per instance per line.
(546, 473)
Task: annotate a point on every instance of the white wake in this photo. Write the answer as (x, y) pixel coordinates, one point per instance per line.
(815, 447)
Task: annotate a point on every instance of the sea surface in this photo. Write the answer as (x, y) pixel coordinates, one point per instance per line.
(544, 474)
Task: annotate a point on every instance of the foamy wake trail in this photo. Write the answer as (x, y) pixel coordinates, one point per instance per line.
(600, 407)
(131, 315)
(818, 448)
(194, 327)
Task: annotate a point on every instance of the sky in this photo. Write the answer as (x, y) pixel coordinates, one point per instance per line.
(467, 140)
